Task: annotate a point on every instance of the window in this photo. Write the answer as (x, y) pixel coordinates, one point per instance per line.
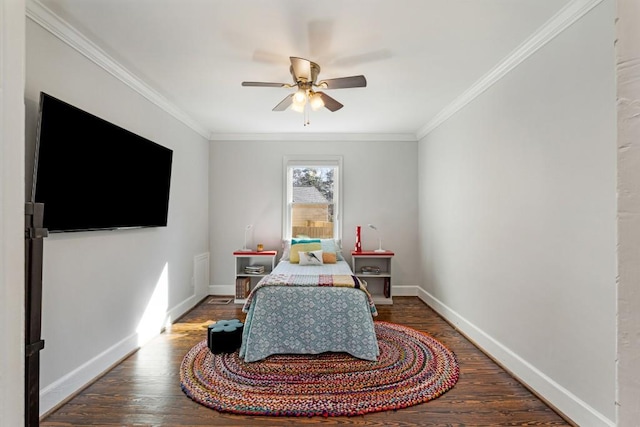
(312, 202)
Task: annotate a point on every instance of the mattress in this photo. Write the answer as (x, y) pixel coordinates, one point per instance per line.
(309, 319)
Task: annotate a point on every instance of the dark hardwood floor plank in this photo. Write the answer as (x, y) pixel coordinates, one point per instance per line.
(144, 390)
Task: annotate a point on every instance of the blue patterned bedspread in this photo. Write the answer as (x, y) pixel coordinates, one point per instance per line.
(288, 279)
(308, 320)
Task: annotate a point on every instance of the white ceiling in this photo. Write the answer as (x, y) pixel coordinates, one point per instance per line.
(418, 56)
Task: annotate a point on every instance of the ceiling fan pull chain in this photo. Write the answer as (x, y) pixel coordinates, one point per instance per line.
(306, 114)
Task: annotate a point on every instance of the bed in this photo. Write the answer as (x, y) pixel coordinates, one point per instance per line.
(309, 309)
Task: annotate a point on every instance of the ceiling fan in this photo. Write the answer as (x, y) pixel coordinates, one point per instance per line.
(305, 74)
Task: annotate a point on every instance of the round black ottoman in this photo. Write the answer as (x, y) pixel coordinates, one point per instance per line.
(224, 336)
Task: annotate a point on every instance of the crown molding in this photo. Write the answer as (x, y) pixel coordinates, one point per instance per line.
(567, 16)
(318, 137)
(51, 22)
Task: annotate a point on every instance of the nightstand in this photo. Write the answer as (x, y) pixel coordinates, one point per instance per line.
(251, 266)
(377, 273)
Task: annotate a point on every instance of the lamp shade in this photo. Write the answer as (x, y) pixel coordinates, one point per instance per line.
(300, 97)
(298, 108)
(316, 102)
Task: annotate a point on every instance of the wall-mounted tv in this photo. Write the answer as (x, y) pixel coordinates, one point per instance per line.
(93, 175)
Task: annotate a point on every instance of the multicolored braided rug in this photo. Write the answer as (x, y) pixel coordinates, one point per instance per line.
(413, 368)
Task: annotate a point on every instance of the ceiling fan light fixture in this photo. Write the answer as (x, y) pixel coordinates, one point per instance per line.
(298, 108)
(316, 102)
(300, 97)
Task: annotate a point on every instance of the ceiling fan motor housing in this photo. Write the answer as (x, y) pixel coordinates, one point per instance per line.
(314, 71)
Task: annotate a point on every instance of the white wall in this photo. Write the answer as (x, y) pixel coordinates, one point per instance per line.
(379, 187)
(518, 219)
(100, 286)
(11, 213)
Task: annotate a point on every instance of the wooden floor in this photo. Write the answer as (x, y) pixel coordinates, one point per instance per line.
(145, 388)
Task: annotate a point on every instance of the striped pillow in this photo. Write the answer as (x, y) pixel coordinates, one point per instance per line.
(302, 246)
(329, 246)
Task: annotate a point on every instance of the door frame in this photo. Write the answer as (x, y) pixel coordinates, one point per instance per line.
(12, 195)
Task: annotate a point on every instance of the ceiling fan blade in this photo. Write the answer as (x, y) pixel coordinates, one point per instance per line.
(344, 82)
(264, 84)
(301, 68)
(330, 103)
(284, 104)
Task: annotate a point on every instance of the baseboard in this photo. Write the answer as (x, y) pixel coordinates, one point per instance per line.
(180, 309)
(67, 386)
(404, 291)
(60, 390)
(572, 407)
(222, 290)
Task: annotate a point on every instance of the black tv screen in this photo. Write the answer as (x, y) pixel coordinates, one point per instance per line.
(93, 175)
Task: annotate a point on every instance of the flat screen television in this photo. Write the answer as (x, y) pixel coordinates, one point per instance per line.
(93, 175)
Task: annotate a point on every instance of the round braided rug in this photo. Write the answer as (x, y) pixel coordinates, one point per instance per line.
(413, 368)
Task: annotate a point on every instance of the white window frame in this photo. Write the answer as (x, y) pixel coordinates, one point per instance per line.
(297, 161)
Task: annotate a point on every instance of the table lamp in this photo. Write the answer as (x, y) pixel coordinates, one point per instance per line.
(244, 247)
(373, 227)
